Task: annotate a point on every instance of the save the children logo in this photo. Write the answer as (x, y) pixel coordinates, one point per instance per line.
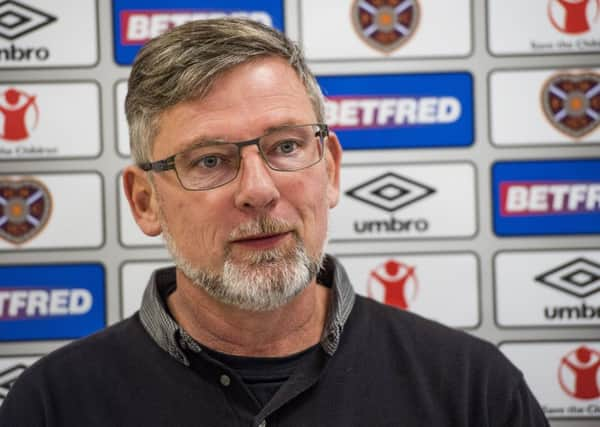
(571, 102)
(578, 373)
(385, 25)
(394, 283)
(573, 16)
(19, 115)
(25, 207)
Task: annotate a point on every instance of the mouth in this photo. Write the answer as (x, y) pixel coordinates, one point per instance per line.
(262, 241)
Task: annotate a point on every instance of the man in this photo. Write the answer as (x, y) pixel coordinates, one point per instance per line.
(254, 326)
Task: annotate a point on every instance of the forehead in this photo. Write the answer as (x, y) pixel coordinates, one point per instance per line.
(242, 104)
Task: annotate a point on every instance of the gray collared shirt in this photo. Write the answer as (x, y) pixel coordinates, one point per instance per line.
(171, 337)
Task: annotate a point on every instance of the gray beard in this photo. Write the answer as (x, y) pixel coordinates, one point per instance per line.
(264, 280)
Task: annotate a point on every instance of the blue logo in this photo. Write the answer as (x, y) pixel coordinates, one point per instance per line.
(400, 111)
(137, 21)
(40, 302)
(546, 197)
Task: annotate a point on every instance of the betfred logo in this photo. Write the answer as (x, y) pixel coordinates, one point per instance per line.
(36, 303)
(549, 198)
(51, 301)
(385, 24)
(137, 27)
(571, 102)
(403, 110)
(137, 21)
(546, 197)
(579, 373)
(19, 113)
(383, 112)
(394, 283)
(573, 16)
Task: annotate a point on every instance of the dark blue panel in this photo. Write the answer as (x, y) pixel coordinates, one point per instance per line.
(39, 302)
(566, 200)
(401, 111)
(128, 36)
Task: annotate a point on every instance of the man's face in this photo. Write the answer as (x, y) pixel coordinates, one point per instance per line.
(265, 229)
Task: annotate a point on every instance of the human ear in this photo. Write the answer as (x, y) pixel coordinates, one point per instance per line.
(142, 200)
(333, 158)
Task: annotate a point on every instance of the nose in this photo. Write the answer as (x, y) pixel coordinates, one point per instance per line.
(256, 188)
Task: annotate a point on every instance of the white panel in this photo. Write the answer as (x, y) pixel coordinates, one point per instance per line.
(517, 114)
(49, 120)
(76, 218)
(134, 279)
(122, 128)
(412, 200)
(419, 283)
(540, 27)
(327, 31)
(548, 288)
(67, 36)
(562, 391)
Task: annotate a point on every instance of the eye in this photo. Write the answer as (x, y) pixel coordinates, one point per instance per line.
(287, 146)
(208, 162)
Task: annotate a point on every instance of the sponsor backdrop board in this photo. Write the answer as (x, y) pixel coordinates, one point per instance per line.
(51, 211)
(10, 369)
(370, 29)
(547, 288)
(37, 34)
(134, 278)
(120, 119)
(545, 107)
(419, 283)
(546, 197)
(564, 376)
(40, 302)
(399, 201)
(439, 106)
(137, 21)
(400, 111)
(543, 27)
(50, 120)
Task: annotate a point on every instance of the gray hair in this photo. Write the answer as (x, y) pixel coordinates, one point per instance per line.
(183, 64)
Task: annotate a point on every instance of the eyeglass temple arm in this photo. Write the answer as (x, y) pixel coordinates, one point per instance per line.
(159, 165)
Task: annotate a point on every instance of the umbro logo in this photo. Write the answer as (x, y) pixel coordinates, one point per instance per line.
(579, 277)
(390, 192)
(17, 19)
(8, 378)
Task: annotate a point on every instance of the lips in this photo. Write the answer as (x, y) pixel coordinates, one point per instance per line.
(263, 241)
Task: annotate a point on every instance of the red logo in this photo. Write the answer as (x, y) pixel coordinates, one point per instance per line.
(25, 207)
(385, 24)
(579, 373)
(393, 283)
(573, 16)
(19, 113)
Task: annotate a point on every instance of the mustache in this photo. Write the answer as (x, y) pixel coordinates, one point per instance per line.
(263, 225)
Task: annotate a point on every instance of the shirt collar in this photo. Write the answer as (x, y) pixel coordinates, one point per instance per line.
(172, 338)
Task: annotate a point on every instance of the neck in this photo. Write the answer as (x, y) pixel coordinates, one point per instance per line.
(228, 329)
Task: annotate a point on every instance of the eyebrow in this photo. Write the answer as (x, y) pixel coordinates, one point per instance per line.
(204, 141)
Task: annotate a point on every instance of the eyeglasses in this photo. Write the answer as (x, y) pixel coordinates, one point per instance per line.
(213, 164)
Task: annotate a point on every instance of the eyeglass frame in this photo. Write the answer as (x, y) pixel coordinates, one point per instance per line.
(168, 163)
